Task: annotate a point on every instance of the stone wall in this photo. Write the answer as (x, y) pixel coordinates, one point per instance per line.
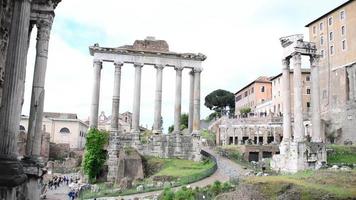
(5, 20)
(58, 151)
(21, 145)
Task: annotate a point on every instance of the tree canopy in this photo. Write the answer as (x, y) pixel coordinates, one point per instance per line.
(219, 100)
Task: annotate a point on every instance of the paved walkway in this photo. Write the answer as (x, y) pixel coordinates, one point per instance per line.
(58, 194)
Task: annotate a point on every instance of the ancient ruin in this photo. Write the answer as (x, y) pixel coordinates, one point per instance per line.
(21, 179)
(149, 52)
(295, 152)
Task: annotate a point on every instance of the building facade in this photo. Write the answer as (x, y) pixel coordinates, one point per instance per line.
(255, 93)
(63, 128)
(125, 122)
(334, 33)
(277, 98)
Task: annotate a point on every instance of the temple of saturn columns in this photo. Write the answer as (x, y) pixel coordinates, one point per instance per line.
(149, 53)
(21, 179)
(295, 152)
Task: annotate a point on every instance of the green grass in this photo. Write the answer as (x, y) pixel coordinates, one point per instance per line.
(310, 184)
(342, 154)
(180, 168)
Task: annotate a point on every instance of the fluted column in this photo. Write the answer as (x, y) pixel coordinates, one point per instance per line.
(178, 99)
(116, 98)
(34, 135)
(315, 100)
(286, 95)
(196, 117)
(136, 99)
(11, 172)
(94, 112)
(298, 99)
(191, 101)
(157, 126)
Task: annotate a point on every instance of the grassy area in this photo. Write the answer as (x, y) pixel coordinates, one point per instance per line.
(309, 184)
(180, 168)
(342, 154)
(181, 171)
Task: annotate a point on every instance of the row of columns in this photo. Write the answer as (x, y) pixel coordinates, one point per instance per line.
(250, 136)
(299, 132)
(194, 98)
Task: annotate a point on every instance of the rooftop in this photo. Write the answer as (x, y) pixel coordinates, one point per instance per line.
(261, 79)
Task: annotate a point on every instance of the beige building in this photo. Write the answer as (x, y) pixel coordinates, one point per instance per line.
(64, 128)
(277, 98)
(125, 122)
(257, 92)
(335, 36)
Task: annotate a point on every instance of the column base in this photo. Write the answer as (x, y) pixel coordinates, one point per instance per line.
(33, 166)
(11, 172)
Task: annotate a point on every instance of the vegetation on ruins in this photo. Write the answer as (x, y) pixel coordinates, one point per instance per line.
(245, 111)
(183, 123)
(95, 154)
(341, 154)
(221, 101)
(209, 136)
(208, 192)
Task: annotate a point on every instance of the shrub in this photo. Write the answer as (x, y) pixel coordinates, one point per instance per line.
(95, 155)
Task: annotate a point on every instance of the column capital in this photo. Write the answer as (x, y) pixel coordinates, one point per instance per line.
(118, 64)
(160, 66)
(286, 62)
(197, 69)
(137, 64)
(314, 60)
(44, 26)
(178, 68)
(98, 62)
(297, 57)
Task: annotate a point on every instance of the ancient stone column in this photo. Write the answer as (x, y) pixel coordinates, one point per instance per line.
(94, 112)
(191, 101)
(116, 98)
(298, 99)
(34, 135)
(287, 125)
(178, 99)
(196, 117)
(136, 99)
(11, 171)
(157, 126)
(315, 100)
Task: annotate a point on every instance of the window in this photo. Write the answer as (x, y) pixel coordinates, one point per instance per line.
(322, 53)
(263, 89)
(321, 26)
(342, 30)
(307, 78)
(332, 50)
(321, 40)
(308, 90)
(314, 30)
(246, 93)
(342, 15)
(308, 104)
(252, 90)
(64, 130)
(331, 36)
(343, 45)
(330, 21)
(237, 98)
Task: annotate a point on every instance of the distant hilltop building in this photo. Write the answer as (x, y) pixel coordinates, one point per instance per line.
(125, 122)
(334, 34)
(63, 128)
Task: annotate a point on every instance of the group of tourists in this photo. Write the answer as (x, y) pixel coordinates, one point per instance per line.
(58, 181)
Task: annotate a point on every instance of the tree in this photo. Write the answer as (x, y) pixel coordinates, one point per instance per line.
(245, 111)
(183, 123)
(219, 100)
(95, 154)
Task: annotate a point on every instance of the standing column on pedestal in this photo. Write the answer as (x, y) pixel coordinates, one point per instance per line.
(191, 102)
(178, 99)
(286, 95)
(196, 117)
(116, 99)
(11, 171)
(315, 101)
(34, 134)
(137, 99)
(298, 99)
(94, 112)
(157, 126)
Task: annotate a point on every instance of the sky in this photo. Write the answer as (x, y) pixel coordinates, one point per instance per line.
(239, 38)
